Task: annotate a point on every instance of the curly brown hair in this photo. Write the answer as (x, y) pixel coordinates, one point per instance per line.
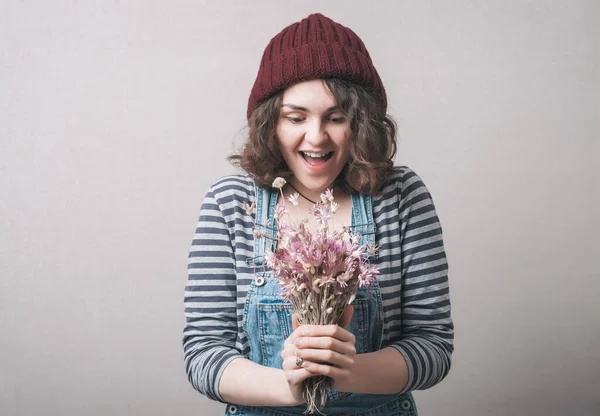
(372, 144)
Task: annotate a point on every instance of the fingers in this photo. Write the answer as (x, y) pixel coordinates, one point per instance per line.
(336, 331)
(333, 331)
(325, 350)
(294, 374)
(325, 357)
(336, 373)
(326, 343)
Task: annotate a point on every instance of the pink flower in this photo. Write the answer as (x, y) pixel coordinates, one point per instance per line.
(327, 196)
(280, 210)
(294, 199)
(358, 252)
(249, 208)
(372, 249)
(322, 213)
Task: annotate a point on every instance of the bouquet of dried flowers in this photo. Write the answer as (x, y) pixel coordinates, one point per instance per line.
(319, 273)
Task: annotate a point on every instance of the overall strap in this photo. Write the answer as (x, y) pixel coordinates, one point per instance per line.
(362, 220)
(266, 200)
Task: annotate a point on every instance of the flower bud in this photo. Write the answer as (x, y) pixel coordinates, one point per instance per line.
(279, 183)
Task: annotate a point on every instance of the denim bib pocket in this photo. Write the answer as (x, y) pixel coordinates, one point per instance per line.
(275, 326)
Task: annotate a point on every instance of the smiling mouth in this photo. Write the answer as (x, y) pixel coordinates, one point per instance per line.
(316, 157)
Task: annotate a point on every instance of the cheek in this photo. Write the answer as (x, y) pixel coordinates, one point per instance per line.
(344, 141)
(284, 144)
(285, 133)
(288, 138)
(280, 136)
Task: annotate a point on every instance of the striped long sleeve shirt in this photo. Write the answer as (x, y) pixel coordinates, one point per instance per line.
(413, 280)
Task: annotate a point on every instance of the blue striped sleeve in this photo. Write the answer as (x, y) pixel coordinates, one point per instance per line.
(209, 337)
(427, 327)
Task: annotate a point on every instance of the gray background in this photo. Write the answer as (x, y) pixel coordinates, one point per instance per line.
(115, 116)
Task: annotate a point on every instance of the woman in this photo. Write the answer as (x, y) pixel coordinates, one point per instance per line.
(317, 117)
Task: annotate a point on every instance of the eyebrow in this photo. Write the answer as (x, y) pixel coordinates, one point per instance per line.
(298, 108)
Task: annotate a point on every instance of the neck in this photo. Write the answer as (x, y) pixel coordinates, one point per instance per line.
(302, 195)
(308, 194)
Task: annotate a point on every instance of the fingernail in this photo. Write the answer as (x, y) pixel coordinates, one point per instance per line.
(306, 332)
(299, 341)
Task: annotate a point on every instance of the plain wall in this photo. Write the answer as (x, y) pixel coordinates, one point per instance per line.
(116, 116)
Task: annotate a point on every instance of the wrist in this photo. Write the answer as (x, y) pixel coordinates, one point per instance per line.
(285, 395)
(380, 372)
(348, 384)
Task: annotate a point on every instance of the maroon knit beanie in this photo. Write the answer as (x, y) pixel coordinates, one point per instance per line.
(315, 47)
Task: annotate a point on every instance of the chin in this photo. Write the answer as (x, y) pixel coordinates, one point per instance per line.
(320, 186)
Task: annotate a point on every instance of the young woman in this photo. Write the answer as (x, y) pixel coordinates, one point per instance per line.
(317, 117)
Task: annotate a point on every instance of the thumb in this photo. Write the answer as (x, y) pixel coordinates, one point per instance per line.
(346, 316)
(295, 323)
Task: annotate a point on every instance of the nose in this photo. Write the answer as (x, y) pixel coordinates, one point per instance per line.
(316, 133)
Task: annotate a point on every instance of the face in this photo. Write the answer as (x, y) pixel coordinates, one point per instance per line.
(314, 136)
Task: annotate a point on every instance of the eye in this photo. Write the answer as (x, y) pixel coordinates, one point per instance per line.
(337, 119)
(295, 120)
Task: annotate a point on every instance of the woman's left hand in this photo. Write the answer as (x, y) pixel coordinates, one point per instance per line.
(327, 349)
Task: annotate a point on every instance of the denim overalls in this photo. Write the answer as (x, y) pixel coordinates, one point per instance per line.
(268, 320)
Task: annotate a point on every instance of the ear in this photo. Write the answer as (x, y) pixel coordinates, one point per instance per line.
(346, 316)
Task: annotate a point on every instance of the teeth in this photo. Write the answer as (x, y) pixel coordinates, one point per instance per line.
(315, 155)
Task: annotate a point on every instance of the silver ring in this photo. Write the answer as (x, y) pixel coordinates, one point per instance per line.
(299, 362)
